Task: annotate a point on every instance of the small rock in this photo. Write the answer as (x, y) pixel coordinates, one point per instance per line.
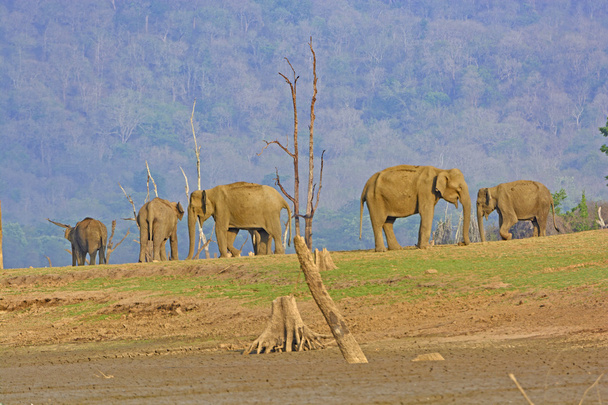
(431, 271)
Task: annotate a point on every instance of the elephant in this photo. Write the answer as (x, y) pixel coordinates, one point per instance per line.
(238, 205)
(157, 221)
(404, 190)
(88, 236)
(521, 200)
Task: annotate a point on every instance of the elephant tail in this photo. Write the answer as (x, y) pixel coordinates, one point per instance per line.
(363, 199)
(289, 222)
(553, 214)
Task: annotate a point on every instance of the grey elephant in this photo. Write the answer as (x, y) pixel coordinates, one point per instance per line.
(238, 205)
(157, 221)
(401, 191)
(88, 236)
(521, 200)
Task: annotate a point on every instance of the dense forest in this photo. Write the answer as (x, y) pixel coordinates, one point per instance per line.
(92, 90)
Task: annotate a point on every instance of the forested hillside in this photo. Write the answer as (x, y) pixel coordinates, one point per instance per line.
(91, 90)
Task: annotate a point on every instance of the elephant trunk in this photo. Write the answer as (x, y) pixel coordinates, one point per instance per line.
(480, 223)
(191, 232)
(465, 199)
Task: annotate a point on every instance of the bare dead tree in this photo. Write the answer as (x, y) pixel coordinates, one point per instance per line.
(311, 205)
(111, 247)
(203, 243)
(599, 221)
(134, 218)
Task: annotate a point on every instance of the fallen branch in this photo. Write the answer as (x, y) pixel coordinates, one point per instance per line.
(346, 341)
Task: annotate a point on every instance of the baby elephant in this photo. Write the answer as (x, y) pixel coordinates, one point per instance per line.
(88, 236)
(521, 200)
(157, 221)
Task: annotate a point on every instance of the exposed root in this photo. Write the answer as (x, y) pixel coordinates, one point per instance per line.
(285, 331)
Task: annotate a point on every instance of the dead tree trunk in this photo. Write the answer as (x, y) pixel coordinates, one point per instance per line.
(285, 331)
(323, 260)
(346, 341)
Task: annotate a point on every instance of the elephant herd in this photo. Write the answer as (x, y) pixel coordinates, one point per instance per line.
(392, 193)
(401, 191)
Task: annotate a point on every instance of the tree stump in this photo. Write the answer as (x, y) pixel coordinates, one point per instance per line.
(323, 260)
(285, 331)
(346, 341)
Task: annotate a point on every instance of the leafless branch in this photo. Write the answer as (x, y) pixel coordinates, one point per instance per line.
(320, 183)
(187, 187)
(148, 183)
(280, 146)
(111, 247)
(197, 149)
(49, 259)
(277, 181)
(132, 204)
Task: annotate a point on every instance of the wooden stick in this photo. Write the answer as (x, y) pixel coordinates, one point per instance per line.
(512, 377)
(346, 341)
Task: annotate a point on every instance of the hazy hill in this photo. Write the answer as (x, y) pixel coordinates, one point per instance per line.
(90, 90)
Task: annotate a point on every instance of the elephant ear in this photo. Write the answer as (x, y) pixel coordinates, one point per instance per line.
(180, 211)
(204, 201)
(441, 183)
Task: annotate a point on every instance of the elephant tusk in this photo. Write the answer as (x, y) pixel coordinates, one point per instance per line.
(485, 215)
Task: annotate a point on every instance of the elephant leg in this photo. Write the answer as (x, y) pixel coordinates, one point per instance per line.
(143, 241)
(81, 256)
(541, 222)
(265, 243)
(535, 227)
(391, 240)
(173, 245)
(505, 223)
(426, 226)
(378, 221)
(158, 249)
(102, 255)
(74, 255)
(222, 240)
(93, 257)
(163, 250)
(230, 238)
(272, 231)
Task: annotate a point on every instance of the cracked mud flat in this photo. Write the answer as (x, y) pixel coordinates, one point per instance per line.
(188, 350)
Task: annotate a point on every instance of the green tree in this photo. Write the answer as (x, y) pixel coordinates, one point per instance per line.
(558, 198)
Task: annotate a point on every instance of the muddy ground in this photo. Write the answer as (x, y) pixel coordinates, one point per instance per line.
(167, 350)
